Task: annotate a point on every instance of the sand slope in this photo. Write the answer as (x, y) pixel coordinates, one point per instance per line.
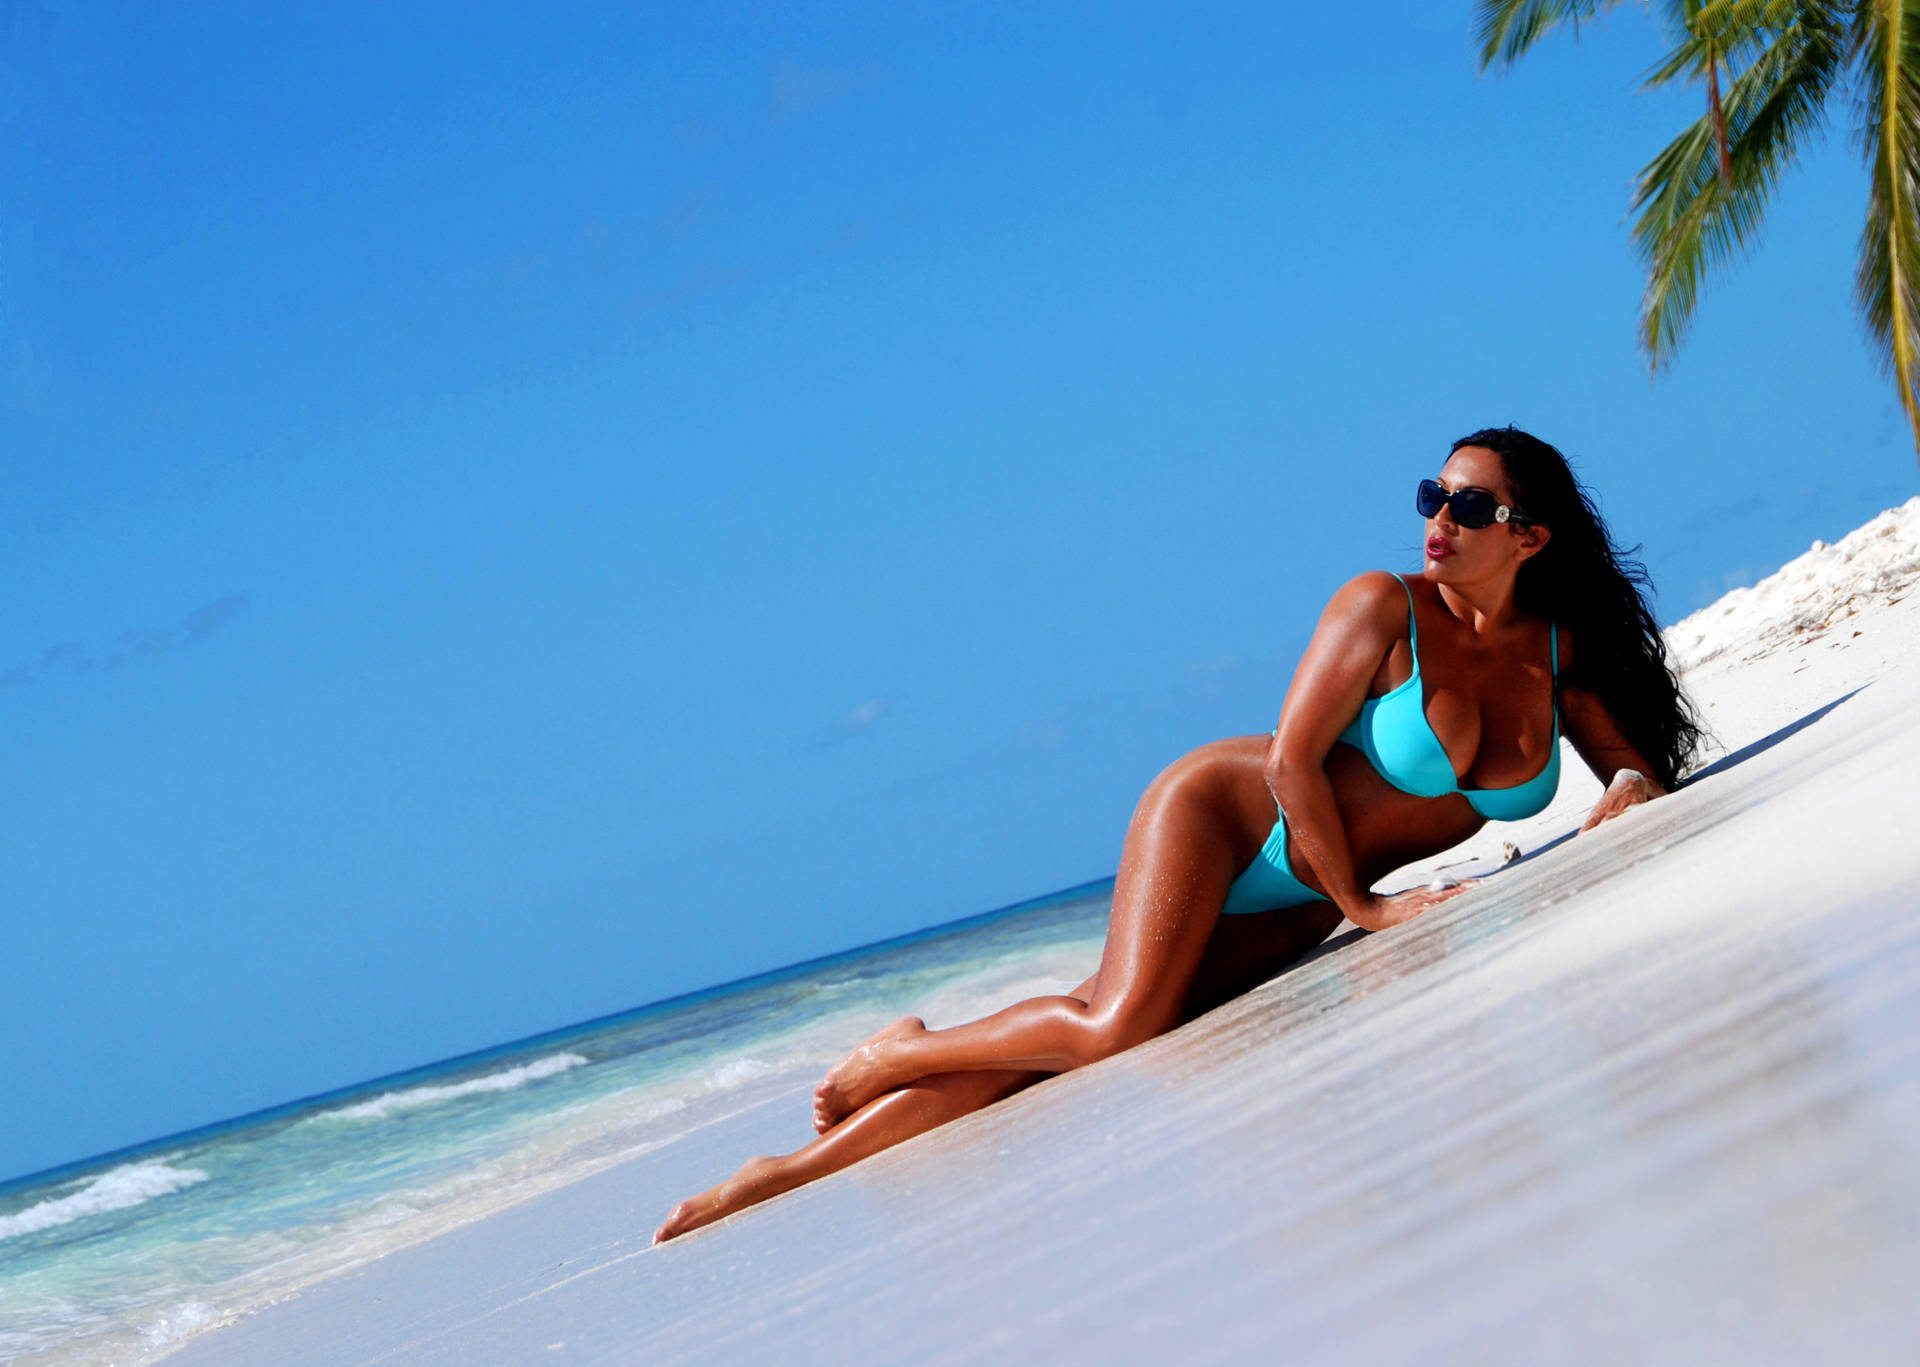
(1651, 1094)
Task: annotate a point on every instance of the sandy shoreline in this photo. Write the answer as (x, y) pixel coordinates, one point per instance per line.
(1653, 1093)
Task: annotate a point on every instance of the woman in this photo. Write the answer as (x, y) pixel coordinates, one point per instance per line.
(1422, 708)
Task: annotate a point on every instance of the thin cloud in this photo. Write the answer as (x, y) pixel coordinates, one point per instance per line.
(856, 720)
(1713, 587)
(690, 211)
(852, 235)
(801, 89)
(522, 267)
(1739, 510)
(691, 286)
(26, 379)
(70, 659)
(697, 133)
(208, 618)
(865, 715)
(68, 655)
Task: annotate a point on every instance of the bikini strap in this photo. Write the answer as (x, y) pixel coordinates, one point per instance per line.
(1413, 623)
(1553, 680)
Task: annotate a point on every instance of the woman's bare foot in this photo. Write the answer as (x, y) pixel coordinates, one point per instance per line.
(860, 1076)
(758, 1180)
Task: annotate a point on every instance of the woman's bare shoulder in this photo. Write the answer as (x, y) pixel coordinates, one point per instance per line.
(1366, 614)
(1374, 594)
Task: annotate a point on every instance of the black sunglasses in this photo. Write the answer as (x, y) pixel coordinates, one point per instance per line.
(1472, 508)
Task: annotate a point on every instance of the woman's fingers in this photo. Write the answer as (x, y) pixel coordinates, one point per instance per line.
(1435, 896)
(1629, 788)
(1404, 906)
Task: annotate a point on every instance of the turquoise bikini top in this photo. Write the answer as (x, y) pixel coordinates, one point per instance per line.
(1392, 731)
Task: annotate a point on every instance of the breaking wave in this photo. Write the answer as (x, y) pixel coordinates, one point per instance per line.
(413, 1098)
(121, 1188)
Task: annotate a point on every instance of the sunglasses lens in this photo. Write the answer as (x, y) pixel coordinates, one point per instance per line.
(1473, 509)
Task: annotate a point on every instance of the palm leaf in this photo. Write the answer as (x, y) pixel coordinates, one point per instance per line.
(1888, 279)
(1735, 30)
(1693, 217)
(1505, 29)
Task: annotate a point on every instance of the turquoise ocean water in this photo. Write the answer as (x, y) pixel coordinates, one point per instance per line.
(123, 1257)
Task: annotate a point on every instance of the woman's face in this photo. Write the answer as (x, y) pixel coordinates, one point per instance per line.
(1457, 554)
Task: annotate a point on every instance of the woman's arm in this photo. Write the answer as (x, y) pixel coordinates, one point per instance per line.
(1612, 757)
(1362, 623)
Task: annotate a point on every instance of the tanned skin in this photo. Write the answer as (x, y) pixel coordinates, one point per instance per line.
(1170, 955)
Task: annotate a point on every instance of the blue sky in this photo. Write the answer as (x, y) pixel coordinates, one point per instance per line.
(515, 512)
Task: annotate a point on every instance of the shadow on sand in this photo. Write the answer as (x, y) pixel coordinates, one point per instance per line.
(1765, 743)
(1353, 934)
(1721, 765)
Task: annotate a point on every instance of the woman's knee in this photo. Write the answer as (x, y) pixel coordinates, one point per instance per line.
(1102, 1034)
(1183, 773)
(1197, 782)
(1185, 792)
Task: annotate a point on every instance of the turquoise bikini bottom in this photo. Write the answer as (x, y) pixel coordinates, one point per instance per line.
(1267, 884)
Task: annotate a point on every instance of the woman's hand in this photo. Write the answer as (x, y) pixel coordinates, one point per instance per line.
(1629, 788)
(1383, 912)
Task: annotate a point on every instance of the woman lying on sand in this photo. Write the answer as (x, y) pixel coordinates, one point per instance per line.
(1422, 708)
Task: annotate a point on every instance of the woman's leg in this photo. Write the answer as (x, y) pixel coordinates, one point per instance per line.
(893, 1118)
(897, 1116)
(1241, 951)
(1184, 846)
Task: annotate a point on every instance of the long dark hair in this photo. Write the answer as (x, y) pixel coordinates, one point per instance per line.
(1581, 580)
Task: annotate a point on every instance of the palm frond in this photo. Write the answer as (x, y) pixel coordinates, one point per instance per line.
(1736, 31)
(1505, 29)
(1888, 278)
(1695, 218)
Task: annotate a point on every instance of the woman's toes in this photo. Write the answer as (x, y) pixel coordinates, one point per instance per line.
(675, 1223)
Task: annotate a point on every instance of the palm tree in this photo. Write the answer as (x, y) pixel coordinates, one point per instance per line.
(1772, 69)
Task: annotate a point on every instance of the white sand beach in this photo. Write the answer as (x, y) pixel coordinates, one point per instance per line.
(1649, 1094)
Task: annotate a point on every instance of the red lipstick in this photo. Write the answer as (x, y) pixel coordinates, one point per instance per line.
(1438, 548)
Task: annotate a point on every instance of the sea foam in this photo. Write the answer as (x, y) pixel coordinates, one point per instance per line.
(180, 1323)
(121, 1188)
(413, 1098)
